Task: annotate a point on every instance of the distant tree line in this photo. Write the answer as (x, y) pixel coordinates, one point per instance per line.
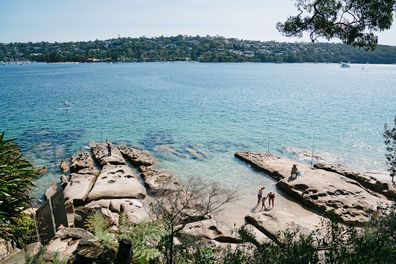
(188, 48)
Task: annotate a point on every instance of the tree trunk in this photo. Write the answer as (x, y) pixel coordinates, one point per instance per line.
(124, 253)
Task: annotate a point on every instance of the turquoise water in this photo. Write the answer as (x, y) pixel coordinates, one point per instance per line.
(218, 108)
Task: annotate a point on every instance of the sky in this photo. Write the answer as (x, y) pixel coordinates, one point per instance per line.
(73, 20)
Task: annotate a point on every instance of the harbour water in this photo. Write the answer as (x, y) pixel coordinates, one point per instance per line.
(194, 116)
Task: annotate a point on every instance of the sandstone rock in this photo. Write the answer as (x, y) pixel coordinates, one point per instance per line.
(51, 191)
(63, 181)
(43, 170)
(272, 223)
(157, 182)
(211, 229)
(327, 192)
(64, 167)
(81, 161)
(88, 251)
(367, 180)
(134, 214)
(136, 156)
(79, 187)
(270, 164)
(63, 249)
(117, 181)
(74, 233)
(101, 154)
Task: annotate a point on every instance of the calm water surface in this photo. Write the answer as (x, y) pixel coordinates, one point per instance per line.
(217, 108)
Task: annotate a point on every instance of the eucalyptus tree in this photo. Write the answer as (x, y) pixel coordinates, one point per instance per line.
(355, 22)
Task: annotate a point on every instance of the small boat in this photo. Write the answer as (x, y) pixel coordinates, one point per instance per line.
(345, 65)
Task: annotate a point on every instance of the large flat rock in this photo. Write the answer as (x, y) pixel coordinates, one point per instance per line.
(212, 230)
(376, 181)
(273, 222)
(328, 192)
(117, 181)
(103, 156)
(78, 187)
(159, 182)
(137, 157)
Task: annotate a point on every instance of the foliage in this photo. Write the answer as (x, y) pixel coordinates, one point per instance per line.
(194, 202)
(17, 177)
(353, 21)
(332, 243)
(145, 237)
(205, 255)
(390, 142)
(182, 48)
(98, 225)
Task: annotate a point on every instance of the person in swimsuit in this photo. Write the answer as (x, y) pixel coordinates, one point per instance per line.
(271, 199)
(260, 195)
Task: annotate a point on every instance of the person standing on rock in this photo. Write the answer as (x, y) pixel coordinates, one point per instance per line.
(259, 196)
(108, 148)
(271, 199)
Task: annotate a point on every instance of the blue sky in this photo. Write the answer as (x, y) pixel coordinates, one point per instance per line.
(71, 20)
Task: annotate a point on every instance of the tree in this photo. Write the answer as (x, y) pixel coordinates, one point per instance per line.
(390, 142)
(17, 177)
(194, 202)
(355, 22)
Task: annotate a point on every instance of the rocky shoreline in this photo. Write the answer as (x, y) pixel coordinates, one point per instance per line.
(120, 180)
(350, 197)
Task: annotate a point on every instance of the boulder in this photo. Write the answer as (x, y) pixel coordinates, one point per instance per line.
(159, 182)
(136, 156)
(64, 250)
(213, 230)
(79, 187)
(43, 170)
(81, 161)
(89, 251)
(51, 191)
(73, 233)
(134, 213)
(117, 181)
(272, 223)
(327, 192)
(102, 155)
(64, 167)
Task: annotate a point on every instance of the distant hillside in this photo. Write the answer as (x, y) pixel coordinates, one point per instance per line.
(182, 48)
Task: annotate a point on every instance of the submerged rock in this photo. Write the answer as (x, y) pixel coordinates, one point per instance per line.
(136, 156)
(117, 181)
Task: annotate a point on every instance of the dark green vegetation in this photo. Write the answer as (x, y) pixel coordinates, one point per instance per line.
(17, 177)
(333, 243)
(182, 48)
(390, 143)
(355, 22)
